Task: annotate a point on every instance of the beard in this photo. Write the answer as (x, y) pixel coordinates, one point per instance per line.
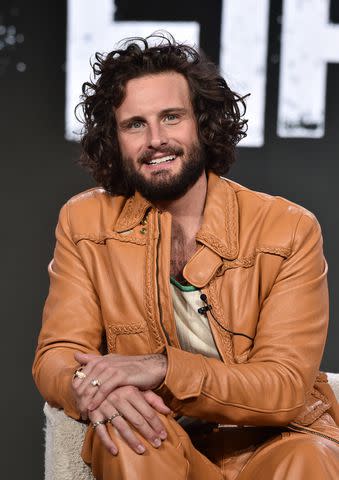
(163, 185)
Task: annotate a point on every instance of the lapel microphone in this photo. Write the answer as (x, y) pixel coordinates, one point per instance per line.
(207, 307)
(203, 310)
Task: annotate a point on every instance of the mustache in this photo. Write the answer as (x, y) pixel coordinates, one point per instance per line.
(149, 154)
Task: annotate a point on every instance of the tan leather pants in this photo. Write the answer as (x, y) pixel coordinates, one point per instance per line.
(242, 454)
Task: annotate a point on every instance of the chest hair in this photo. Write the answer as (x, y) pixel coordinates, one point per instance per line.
(182, 248)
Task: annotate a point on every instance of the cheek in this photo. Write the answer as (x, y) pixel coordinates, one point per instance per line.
(125, 147)
(131, 146)
(190, 132)
(188, 137)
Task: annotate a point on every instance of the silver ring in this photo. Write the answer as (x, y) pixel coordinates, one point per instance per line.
(95, 382)
(115, 415)
(79, 374)
(97, 423)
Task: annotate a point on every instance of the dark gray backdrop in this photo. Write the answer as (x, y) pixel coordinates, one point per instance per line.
(39, 174)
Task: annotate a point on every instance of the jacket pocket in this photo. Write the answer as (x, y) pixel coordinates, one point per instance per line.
(128, 339)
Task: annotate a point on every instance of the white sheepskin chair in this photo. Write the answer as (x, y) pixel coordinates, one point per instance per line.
(333, 380)
(64, 437)
(63, 442)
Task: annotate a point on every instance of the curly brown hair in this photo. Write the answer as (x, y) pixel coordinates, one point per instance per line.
(216, 106)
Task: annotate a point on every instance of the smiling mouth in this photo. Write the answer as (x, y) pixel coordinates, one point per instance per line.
(157, 161)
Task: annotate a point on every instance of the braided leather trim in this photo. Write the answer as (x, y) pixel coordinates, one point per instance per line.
(226, 246)
(321, 378)
(123, 329)
(102, 238)
(132, 213)
(208, 239)
(232, 223)
(225, 337)
(150, 288)
(247, 262)
(126, 213)
(313, 408)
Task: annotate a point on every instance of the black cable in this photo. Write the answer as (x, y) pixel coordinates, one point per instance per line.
(208, 307)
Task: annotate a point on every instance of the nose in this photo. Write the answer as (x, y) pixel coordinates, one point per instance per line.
(157, 135)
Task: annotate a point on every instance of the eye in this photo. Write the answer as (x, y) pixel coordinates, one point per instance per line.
(135, 124)
(171, 117)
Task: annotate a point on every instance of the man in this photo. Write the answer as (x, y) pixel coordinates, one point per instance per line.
(187, 315)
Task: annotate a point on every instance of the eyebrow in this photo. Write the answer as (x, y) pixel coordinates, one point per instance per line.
(139, 118)
(174, 109)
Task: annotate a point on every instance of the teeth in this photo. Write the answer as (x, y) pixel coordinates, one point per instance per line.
(161, 160)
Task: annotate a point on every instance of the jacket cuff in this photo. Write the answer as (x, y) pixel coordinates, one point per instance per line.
(185, 376)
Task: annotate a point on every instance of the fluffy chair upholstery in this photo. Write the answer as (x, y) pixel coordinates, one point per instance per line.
(63, 441)
(64, 437)
(333, 380)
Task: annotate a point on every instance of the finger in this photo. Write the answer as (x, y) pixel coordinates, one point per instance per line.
(102, 432)
(117, 419)
(110, 381)
(93, 372)
(83, 398)
(156, 402)
(84, 390)
(132, 404)
(83, 395)
(86, 370)
(106, 440)
(149, 414)
(142, 417)
(127, 434)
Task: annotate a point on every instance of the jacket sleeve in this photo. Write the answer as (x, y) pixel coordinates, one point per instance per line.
(271, 387)
(71, 322)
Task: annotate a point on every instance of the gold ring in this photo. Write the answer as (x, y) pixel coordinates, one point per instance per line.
(95, 382)
(97, 423)
(115, 415)
(79, 374)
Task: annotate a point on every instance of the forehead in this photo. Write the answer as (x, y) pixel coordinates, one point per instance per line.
(157, 92)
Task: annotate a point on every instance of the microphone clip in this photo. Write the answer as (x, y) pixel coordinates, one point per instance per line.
(206, 308)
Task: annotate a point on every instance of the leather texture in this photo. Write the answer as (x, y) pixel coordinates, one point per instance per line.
(64, 439)
(260, 264)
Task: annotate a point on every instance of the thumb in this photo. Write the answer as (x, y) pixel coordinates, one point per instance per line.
(156, 402)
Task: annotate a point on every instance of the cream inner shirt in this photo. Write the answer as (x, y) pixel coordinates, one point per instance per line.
(193, 329)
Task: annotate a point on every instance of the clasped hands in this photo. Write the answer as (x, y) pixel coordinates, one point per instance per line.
(123, 394)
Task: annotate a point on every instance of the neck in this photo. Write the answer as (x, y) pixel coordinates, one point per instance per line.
(187, 211)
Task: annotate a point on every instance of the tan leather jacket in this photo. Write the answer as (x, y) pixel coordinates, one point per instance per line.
(260, 264)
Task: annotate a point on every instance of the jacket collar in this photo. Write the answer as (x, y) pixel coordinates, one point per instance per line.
(219, 230)
(220, 227)
(132, 213)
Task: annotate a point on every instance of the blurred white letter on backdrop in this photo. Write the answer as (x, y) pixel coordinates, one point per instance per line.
(91, 28)
(243, 58)
(309, 42)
